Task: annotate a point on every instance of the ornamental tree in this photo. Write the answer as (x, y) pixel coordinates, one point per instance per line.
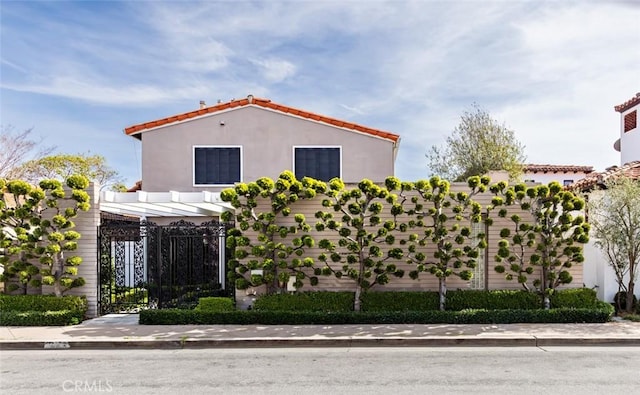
(545, 234)
(443, 219)
(266, 250)
(60, 167)
(360, 247)
(615, 219)
(476, 146)
(36, 223)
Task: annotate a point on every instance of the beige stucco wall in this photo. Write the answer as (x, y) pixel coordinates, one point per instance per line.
(267, 139)
(426, 281)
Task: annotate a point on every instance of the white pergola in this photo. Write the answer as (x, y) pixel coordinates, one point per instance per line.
(164, 204)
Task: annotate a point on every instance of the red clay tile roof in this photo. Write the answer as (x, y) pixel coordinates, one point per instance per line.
(137, 187)
(594, 180)
(250, 100)
(531, 168)
(628, 104)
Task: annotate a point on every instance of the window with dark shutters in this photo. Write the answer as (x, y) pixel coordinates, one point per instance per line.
(217, 165)
(321, 163)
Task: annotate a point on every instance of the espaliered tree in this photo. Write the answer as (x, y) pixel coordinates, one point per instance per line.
(443, 220)
(261, 243)
(553, 233)
(360, 247)
(36, 224)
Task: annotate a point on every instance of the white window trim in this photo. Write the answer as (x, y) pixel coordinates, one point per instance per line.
(193, 165)
(293, 154)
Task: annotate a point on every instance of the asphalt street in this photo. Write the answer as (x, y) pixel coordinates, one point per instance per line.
(402, 370)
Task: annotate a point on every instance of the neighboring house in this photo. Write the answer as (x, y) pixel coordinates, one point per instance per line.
(215, 147)
(629, 142)
(597, 271)
(564, 174)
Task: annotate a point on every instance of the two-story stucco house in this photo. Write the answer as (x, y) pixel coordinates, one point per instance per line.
(188, 158)
(242, 140)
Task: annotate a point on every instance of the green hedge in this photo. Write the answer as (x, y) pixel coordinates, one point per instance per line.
(574, 298)
(41, 310)
(182, 317)
(400, 301)
(456, 300)
(39, 318)
(306, 301)
(215, 304)
(425, 301)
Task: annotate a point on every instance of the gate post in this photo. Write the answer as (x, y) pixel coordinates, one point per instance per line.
(222, 262)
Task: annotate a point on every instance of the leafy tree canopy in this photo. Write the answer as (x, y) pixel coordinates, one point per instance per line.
(479, 144)
(60, 167)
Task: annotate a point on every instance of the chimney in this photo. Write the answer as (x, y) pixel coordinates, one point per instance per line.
(202, 104)
(250, 98)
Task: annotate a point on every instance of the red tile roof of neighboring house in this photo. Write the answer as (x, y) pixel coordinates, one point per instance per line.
(265, 103)
(628, 104)
(531, 168)
(136, 187)
(593, 180)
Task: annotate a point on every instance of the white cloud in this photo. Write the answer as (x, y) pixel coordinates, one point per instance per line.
(551, 71)
(275, 70)
(108, 94)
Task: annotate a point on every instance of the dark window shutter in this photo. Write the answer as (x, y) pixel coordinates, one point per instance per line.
(320, 163)
(217, 165)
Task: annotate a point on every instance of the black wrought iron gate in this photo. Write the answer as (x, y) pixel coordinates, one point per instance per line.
(144, 265)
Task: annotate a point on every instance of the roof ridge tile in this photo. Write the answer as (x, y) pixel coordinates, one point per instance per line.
(261, 102)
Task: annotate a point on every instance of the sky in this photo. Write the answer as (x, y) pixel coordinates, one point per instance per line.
(78, 73)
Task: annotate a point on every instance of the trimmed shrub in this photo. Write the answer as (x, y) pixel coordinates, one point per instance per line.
(576, 298)
(215, 304)
(400, 301)
(306, 301)
(492, 300)
(39, 318)
(457, 300)
(602, 313)
(41, 310)
(42, 303)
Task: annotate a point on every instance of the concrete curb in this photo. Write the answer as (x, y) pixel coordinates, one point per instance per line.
(524, 341)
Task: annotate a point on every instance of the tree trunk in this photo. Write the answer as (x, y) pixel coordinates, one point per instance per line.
(442, 291)
(546, 302)
(356, 301)
(57, 272)
(630, 294)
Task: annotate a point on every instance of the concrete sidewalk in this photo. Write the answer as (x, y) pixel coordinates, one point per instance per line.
(123, 331)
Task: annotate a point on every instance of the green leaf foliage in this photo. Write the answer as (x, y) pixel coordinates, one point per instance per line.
(355, 230)
(546, 235)
(261, 243)
(600, 314)
(35, 226)
(478, 145)
(41, 310)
